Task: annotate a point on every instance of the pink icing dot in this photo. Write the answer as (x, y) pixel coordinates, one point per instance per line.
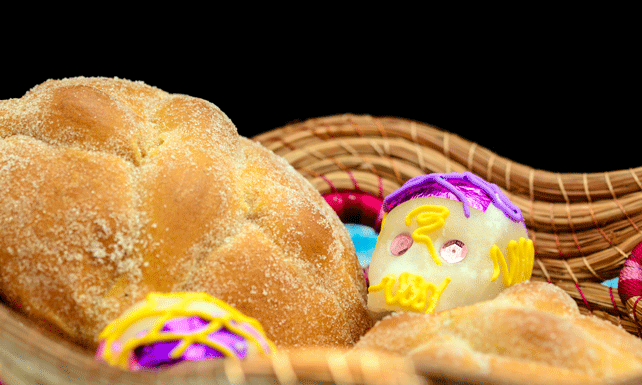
(400, 244)
(453, 251)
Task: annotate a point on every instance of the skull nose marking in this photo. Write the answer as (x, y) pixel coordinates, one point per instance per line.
(429, 218)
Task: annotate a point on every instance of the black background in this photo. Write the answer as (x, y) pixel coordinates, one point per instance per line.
(566, 102)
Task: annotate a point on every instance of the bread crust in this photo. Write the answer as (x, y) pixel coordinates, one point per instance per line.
(112, 189)
(531, 333)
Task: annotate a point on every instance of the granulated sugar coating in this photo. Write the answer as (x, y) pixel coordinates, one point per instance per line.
(112, 189)
(531, 333)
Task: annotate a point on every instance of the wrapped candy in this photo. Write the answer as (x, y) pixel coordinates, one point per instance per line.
(165, 329)
(445, 241)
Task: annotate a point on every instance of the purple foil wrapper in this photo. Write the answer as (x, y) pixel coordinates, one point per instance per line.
(466, 187)
(158, 354)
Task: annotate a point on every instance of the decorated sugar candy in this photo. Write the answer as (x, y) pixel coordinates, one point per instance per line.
(165, 329)
(447, 240)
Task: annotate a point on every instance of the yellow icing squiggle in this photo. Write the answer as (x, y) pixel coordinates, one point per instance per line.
(521, 255)
(412, 292)
(160, 308)
(429, 219)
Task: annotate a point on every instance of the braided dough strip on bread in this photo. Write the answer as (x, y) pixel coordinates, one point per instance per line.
(112, 189)
(531, 333)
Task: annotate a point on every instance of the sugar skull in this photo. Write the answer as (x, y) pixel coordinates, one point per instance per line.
(447, 240)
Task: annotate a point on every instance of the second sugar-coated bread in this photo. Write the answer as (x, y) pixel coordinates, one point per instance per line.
(532, 333)
(112, 189)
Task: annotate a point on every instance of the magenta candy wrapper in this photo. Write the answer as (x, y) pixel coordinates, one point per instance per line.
(465, 187)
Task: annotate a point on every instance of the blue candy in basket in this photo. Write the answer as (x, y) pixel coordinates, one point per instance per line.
(364, 239)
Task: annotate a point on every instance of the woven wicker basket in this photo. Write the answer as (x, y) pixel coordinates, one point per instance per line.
(584, 227)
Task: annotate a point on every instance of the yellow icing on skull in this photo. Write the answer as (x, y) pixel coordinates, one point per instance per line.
(521, 255)
(410, 292)
(429, 218)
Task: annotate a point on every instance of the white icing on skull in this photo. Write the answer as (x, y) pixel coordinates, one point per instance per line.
(462, 245)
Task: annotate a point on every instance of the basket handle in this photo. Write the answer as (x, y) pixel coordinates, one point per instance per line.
(630, 284)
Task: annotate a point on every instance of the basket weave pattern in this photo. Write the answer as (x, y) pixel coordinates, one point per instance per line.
(583, 226)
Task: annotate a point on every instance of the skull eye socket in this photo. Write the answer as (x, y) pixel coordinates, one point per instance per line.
(400, 244)
(453, 251)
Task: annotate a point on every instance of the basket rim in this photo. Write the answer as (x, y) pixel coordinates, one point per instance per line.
(338, 127)
(51, 361)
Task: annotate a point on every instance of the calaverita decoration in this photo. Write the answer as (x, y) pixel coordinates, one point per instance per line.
(447, 240)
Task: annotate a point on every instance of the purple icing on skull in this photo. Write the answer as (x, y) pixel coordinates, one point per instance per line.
(158, 354)
(466, 187)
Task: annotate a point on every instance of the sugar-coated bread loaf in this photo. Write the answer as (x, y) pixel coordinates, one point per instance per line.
(532, 333)
(111, 189)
